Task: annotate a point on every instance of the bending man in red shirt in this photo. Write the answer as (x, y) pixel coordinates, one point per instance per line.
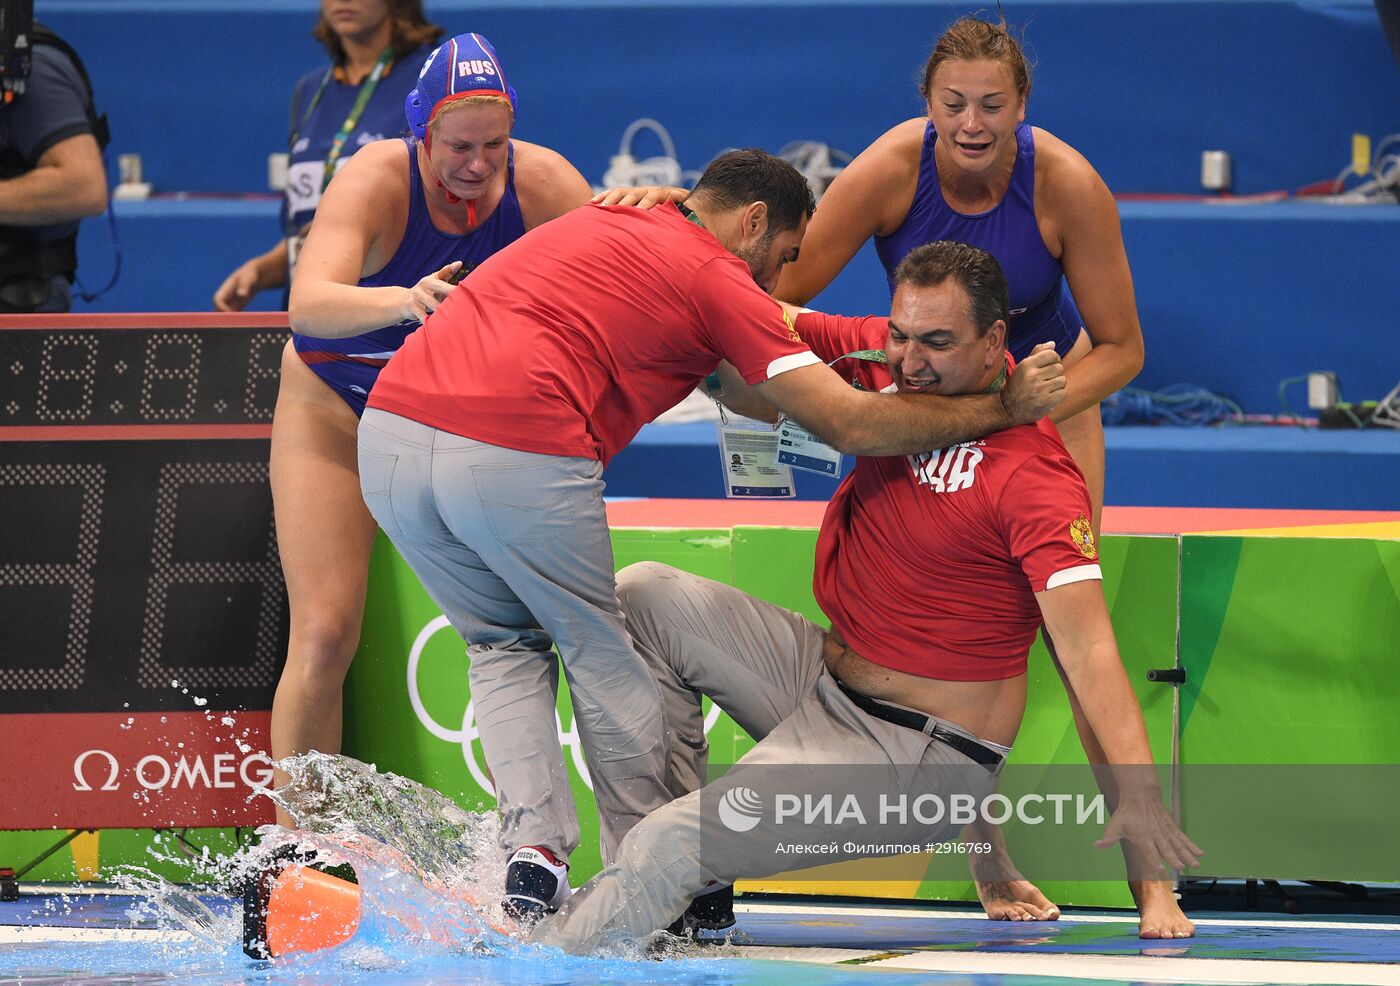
(483, 447)
(936, 570)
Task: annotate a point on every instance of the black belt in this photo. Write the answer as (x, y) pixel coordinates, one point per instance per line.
(971, 749)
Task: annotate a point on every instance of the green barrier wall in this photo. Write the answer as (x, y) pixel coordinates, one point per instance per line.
(110, 849)
(1292, 647)
(386, 727)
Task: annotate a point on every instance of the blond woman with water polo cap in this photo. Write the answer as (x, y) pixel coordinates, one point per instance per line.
(400, 221)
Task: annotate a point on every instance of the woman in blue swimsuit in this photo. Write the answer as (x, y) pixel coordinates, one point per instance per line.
(974, 171)
(396, 228)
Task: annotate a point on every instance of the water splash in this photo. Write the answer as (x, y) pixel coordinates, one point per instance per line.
(352, 802)
(427, 868)
(171, 907)
(430, 876)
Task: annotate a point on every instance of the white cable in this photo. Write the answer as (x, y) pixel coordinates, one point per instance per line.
(625, 171)
(1387, 171)
(818, 162)
(814, 160)
(1339, 183)
(1385, 141)
(1382, 186)
(647, 123)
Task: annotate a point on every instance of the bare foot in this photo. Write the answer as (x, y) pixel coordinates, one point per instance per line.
(1015, 900)
(1159, 913)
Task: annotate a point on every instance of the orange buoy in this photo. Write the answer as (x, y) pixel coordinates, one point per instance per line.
(309, 910)
(290, 907)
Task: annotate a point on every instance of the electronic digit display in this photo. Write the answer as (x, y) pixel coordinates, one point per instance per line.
(131, 565)
(139, 376)
(144, 613)
(142, 597)
(137, 543)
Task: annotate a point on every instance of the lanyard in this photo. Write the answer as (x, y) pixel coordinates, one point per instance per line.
(689, 215)
(367, 88)
(999, 382)
(865, 355)
(868, 355)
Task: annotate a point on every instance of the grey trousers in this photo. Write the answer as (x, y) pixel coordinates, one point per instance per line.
(763, 665)
(514, 548)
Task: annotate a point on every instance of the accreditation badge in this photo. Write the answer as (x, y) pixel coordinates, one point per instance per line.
(749, 462)
(800, 449)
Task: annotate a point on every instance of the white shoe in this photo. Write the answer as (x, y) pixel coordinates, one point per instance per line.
(537, 882)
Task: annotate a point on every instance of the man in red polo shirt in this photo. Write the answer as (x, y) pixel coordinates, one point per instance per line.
(936, 570)
(485, 438)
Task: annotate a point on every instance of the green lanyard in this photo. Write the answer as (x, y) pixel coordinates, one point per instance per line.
(868, 355)
(999, 382)
(865, 355)
(691, 216)
(367, 88)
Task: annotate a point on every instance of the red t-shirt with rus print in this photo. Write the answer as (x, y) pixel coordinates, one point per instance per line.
(929, 563)
(571, 338)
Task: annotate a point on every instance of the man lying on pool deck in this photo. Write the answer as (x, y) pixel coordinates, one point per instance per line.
(936, 572)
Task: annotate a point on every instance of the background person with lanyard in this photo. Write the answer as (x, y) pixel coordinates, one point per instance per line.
(376, 49)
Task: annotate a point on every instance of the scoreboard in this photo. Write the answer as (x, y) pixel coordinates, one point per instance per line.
(144, 614)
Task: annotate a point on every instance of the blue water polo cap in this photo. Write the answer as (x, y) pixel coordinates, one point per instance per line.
(464, 66)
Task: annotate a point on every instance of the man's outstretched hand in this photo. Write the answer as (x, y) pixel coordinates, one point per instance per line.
(1036, 386)
(1142, 820)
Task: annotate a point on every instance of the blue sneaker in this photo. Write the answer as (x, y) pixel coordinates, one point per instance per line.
(711, 910)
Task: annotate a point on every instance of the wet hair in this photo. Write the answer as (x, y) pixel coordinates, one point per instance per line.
(735, 179)
(977, 271)
(970, 39)
(482, 99)
(411, 28)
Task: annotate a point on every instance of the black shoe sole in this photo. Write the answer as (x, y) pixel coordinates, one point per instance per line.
(713, 911)
(525, 910)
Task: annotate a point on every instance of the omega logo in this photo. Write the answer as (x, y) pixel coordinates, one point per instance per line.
(155, 772)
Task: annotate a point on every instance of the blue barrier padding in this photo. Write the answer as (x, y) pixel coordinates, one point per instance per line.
(1236, 298)
(1231, 298)
(175, 254)
(1283, 468)
(59, 910)
(1141, 87)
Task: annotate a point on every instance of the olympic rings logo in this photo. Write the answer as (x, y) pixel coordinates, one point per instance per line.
(468, 736)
